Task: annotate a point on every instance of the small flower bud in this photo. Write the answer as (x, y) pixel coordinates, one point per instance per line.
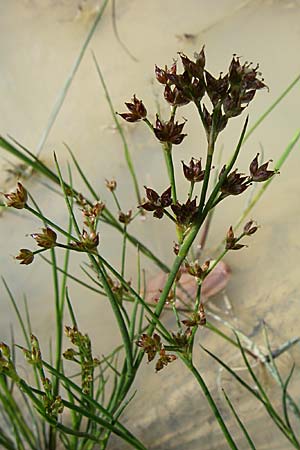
(69, 354)
(231, 241)
(250, 228)
(111, 185)
(5, 350)
(176, 248)
(125, 218)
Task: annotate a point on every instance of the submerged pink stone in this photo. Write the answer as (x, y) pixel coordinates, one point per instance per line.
(214, 283)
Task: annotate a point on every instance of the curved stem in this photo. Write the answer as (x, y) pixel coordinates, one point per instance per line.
(211, 402)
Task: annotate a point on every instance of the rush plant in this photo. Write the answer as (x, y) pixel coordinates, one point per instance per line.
(77, 400)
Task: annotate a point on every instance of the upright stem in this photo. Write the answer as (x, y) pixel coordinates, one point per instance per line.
(170, 168)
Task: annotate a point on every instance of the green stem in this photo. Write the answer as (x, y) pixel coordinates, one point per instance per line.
(118, 315)
(167, 148)
(169, 215)
(49, 222)
(211, 402)
(121, 133)
(192, 185)
(124, 251)
(270, 109)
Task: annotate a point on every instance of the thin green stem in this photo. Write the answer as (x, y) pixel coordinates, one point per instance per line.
(270, 109)
(211, 402)
(67, 84)
(121, 133)
(192, 185)
(167, 149)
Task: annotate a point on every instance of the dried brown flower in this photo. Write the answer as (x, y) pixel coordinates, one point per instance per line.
(164, 359)
(150, 345)
(185, 213)
(92, 213)
(125, 217)
(157, 202)
(193, 172)
(46, 239)
(260, 173)
(216, 88)
(162, 75)
(192, 321)
(250, 228)
(232, 241)
(175, 97)
(202, 315)
(197, 270)
(137, 111)
(111, 185)
(170, 131)
(17, 199)
(89, 241)
(235, 183)
(243, 86)
(25, 256)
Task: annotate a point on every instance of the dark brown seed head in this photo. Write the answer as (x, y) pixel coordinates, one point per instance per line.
(169, 131)
(125, 217)
(235, 183)
(185, 212)
(232, 241)
(250, 228)
(260, 173)
(156, 202)
(137, 110)
(193, 172)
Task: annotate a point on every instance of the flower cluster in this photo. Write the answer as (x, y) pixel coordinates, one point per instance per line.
(185, 212)
(53, 403)
(17, 199)
(82, 356)
(193, 172)
(236, 183)
(169, 131)
(46, 239)
(197, 270)
(153, 346)
(137, 111)
(156, 202)
(196, 319)
(232, 241)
